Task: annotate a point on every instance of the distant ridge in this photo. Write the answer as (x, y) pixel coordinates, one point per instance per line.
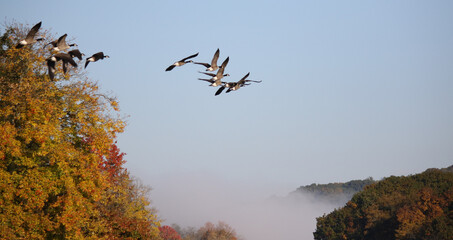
(335, 192)
(417, 206)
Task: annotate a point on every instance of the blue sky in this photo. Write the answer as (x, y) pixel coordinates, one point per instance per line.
(350, 89)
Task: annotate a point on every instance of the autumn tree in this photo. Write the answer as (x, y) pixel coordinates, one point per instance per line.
(221, 231)
(168, 233)
(58, 175)
(413, 207)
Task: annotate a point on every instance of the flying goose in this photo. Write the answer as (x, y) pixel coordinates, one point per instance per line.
(216, 80)
(241, 83)
(60, 44)
(95, 57)
(181, 62)
(76, 53)
(225, 85)
(213, 66)
(51, 62)
(30, 36)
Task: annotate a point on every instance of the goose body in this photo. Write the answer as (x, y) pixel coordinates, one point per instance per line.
(51, 62)
(233, 86)
(60, 44)
(181, 62)
(213, 66)
(95, 57)
(76, 53)
(30, 38)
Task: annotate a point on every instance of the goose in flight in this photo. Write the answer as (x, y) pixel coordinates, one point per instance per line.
(213, 66)
(30, 38)
(225, 85)
(60, 44)
(51, 62)
(76, 53)
(241, 83)
(181, 62)
(95, 57)
(233, 86)
(216, 80)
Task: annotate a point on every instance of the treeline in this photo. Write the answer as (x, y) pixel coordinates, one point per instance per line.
(335, 192)
(209, 231)
(413, 207)
(61, 174)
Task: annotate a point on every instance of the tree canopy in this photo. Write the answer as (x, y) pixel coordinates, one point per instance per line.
(61, 173)
(413, 207)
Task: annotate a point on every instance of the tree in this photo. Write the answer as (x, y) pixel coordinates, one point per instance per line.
(54, 136)
(168, 233)
(221, 231)
(413, 207)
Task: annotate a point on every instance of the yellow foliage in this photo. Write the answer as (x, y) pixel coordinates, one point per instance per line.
(53, 136)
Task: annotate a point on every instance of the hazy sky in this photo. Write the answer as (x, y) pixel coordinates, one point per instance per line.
(350, 89)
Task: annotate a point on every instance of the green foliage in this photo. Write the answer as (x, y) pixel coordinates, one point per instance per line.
(413, 207)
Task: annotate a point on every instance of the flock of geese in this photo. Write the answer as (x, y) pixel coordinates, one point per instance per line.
(216, 78)
(60, 47)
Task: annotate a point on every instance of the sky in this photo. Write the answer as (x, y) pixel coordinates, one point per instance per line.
(350, 89)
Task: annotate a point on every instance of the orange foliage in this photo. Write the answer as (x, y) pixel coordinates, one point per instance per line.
(53, 184)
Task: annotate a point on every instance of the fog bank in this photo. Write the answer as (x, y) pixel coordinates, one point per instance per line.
(193, 200)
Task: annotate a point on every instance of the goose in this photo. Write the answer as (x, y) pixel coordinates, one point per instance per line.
(241, 83)
(225, 85)
(216, 80)
(95, 57)
(213, 66)
(60, 44)
(51, 62)
(181, 62)
(30, 38)
(76, 53)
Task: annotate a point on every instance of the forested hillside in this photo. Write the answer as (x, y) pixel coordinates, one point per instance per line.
(413, 207)
(61, 174)
(334, 192)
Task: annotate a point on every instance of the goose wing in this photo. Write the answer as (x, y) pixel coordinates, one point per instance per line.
(253, 81)
(209, 74)
(31, 34)
(215, 58)
(207, 80)
(170, 67)
(61, 42)
(51, 67)
(242, 81)
(222, 67)
(220, 90)
(204, 64)
(66, 58)
(189, 57)
(76, 53)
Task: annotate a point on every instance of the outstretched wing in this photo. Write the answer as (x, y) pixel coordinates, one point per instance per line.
(31, 34)
(220, 90)
(209, 74)
(51, 67)
(189, 57)
(204, 64)
(215, 58)
(170, 68)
